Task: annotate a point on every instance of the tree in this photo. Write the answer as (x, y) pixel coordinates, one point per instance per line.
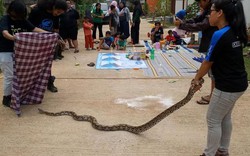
(193, 10)
(2, 9)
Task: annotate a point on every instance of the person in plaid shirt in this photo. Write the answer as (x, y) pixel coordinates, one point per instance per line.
(14, 22)
(45, 15)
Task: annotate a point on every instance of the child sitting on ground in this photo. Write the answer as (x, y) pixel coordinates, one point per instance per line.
(157, 32)
(121, 42)
(170, 38)
(106, 42)
(87, 28)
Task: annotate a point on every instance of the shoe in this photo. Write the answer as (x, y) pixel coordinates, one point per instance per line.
(61, 56)
(221, 153)
(6, 100)
(203, 154)
(204, 100)
(52, 88)
(91, 64)
(93, 48)
(76, 51)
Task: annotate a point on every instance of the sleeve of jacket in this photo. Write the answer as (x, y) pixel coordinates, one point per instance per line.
(195, 25)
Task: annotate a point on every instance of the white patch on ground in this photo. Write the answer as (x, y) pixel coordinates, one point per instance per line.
(146, 101)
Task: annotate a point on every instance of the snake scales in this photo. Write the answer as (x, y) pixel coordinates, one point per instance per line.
(126, 127)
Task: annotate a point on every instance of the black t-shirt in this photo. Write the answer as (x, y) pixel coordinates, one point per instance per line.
(228, 67)
(44, 20)
(157, 34)
(13, 27)
(69, 19)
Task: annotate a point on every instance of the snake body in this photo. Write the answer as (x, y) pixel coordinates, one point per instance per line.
(126, 127)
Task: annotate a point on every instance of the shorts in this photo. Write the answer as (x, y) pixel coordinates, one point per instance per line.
(70, 33)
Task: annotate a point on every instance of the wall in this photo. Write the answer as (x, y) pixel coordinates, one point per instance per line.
(246, 5)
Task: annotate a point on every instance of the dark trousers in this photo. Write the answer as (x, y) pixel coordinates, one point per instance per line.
(99, 26)
(124, 28)
(135, 32)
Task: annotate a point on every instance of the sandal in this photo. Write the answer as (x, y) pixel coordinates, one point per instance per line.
(91, 64)
(206, 98)
(202, 102)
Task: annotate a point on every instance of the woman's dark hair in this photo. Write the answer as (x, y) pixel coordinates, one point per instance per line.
(52, 4)
(98, 10)
(124, 5)
(234, 14)
(158, 23)
(137, 7)
(17, 9)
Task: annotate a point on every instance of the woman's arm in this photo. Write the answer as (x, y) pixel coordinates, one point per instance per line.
(7, 35)
(39, 30)
(204, 68)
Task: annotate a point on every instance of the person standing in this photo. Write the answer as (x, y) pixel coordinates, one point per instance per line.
(68, 29)
(114, 20)
(98, 16)
(14, 22)
(45, 15)
(201, 23)
(87, 28)
(225, 58)
(135, 28)
(124, 19)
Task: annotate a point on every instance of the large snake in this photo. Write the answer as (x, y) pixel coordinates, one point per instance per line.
(126, 127)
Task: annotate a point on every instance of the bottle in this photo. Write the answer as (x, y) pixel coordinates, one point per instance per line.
(152, 54)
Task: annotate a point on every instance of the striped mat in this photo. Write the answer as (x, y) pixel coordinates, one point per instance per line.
(173, 63)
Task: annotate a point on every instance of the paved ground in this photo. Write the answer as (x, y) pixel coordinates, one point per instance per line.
(114, 96)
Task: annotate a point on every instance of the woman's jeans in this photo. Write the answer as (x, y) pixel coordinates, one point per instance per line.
(6, 65)
(219, 120)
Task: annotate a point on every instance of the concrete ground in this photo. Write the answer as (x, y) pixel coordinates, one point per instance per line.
(115, 96)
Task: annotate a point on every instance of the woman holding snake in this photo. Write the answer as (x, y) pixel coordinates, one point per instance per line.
(225, 59)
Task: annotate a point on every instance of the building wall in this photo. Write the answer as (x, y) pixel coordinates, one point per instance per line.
(246, 5)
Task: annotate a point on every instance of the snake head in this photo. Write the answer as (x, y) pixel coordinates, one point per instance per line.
(196, 85)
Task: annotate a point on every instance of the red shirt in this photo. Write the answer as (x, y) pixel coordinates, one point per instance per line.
(170, 38)
(87, 28)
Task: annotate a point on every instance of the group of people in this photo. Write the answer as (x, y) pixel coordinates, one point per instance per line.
(224, 35)
(175, 36)
(44, 17)
(119, 21)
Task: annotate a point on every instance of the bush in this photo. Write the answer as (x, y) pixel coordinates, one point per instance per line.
(193, 9)
(2, 9)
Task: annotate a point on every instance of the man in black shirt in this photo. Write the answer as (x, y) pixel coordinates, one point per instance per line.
(46, 16)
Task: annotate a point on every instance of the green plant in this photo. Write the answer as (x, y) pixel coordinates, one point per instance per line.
(145, 8)
(192, 10)
(2, 9)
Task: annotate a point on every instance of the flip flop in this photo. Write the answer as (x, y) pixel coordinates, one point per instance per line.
(206, 98)
(202, 102)
(91, 64)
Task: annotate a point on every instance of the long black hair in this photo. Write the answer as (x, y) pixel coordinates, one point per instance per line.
(52, 4)
(17, 9)
(137, 7)
(234, 14)
(97, 10)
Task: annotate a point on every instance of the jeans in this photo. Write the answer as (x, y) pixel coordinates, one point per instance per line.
(219, 120)
(6, 65)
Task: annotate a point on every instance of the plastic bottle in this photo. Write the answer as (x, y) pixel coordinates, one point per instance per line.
(152, 54)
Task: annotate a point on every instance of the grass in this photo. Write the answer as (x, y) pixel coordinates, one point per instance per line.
(247, 62)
